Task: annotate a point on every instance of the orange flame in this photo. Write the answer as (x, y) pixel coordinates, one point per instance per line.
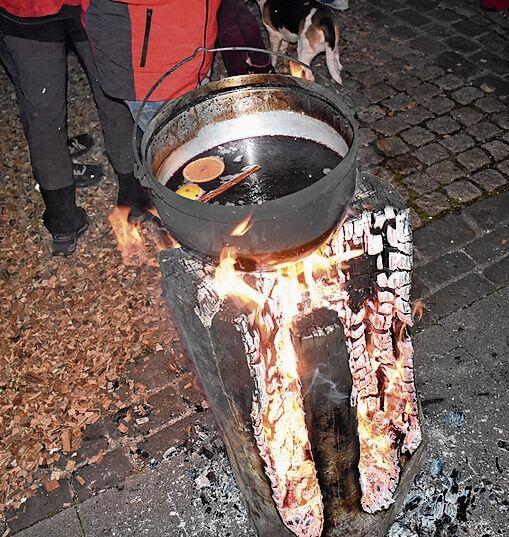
(278, 411)
(299, 71)
(418, 309)
(130, 242)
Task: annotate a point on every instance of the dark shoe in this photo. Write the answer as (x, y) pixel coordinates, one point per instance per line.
(65, 245)
(79, 145)
(132, 194)
(86, 174)
(63, 219)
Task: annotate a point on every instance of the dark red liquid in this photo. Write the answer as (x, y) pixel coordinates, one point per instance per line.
(287, 165)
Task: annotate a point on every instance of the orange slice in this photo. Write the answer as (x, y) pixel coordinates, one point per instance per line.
(191, 192)
(204, 169)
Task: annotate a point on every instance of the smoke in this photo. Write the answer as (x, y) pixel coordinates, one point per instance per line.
(334, 392)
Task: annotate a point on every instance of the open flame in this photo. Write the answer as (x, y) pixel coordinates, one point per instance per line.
(129, 240)
(277, 411)
(299, 71)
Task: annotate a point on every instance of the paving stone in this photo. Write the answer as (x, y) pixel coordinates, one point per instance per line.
(467, 94)
(398, 103)
(445, 268)
(474, 159)
(393, 146)
(42, 505)
(463, 191)
(370, 78)
(437, 30)
(402, 82)
(404, 164)
(498, 273)
(490, 246)
(450, 232)
(489, 104)
(484, 130)
(490, 212)
(444, 15)
(422, 5)
(450, 82)
(431, 153)
(114, 468)
(371, 114)
(503, 167)
(457, 143)
(497, 149)
(95, 438)
(499, 84)
(412, 17)
(443, 125)
(366, 136)
(469, 28)
(379, 92)
(439, 105)
(358, 100)
(445, 172)
(415, 115)
(389, 125)
(369, 158)
(420, 183)
(502, 120)
(489, 180)
(461, 44)
(466, 116)
(404, 31)
(433, 203)
(488, 60)
(459, 294)
(64, 524)
(427, 44)
(166, 406)
(417, 136)
(152, 371)
(457, 63)
(429, 72)
(425, 91)
(172, 436)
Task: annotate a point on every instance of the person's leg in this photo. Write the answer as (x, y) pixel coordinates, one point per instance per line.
(117, 125)
(41, 69)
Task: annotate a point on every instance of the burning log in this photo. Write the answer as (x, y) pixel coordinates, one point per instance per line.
(284, 407)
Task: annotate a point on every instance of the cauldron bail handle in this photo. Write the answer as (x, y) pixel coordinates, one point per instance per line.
(139, 167)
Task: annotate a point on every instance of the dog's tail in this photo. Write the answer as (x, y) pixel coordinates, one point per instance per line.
(331, 33)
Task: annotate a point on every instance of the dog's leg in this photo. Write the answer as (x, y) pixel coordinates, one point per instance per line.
(306, 54)
(332, 58)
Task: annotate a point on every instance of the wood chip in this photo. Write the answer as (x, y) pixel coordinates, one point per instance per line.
(80, 480)
(52, 484)
(66, 440)
(123, 428)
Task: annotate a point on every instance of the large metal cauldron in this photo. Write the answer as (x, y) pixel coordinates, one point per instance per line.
(237, 107)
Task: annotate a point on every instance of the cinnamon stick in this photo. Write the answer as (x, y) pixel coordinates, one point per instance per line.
(213, 194)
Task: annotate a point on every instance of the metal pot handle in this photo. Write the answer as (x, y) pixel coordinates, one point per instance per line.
(139, 168)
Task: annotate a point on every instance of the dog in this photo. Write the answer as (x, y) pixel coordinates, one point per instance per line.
(308, 23)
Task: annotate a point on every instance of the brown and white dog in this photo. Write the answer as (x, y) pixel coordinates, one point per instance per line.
(308, 23)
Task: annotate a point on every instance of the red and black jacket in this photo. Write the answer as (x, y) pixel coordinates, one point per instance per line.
(135, 41)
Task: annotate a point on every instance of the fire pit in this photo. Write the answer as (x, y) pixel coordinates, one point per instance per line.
(296, 319)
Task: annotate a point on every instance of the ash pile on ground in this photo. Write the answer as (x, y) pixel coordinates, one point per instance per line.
(207, 500)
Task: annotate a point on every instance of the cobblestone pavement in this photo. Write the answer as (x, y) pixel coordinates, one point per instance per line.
(430, 87)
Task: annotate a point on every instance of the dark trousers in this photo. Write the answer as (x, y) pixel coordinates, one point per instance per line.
(238, 27)
(35, 57)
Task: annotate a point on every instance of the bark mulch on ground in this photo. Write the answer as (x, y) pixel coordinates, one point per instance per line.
(69, 326)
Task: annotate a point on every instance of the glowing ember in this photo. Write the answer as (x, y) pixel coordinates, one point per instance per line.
(299, 71)
(130, 242)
